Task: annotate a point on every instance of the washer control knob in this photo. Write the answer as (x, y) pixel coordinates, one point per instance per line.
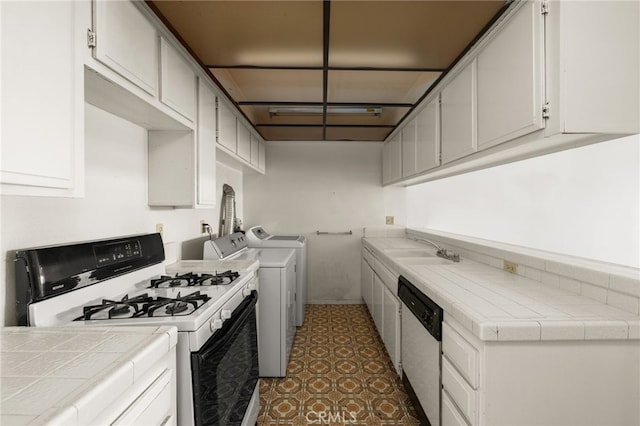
(216, 324)
(226, 314)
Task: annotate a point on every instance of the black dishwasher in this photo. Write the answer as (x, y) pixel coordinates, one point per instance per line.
(421, 350)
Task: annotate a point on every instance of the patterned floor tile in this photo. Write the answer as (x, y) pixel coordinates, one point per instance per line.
(339, 374)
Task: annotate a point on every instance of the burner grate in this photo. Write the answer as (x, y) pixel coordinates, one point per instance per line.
(174, 306)
(123, 308)
(191, 279)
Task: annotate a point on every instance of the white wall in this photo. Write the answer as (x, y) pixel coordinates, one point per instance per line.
(115, 202)
(325, 186)
(582, 202)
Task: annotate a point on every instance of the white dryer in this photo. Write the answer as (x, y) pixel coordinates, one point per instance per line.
(257, 237)
(276, 300)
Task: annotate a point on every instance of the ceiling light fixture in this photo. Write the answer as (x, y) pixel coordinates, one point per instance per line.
(318, 110)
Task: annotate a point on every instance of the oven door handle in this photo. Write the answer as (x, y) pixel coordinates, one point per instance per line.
(230, 327)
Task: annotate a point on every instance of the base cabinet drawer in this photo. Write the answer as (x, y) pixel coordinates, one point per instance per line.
(461, 354)
(451, 416)
(460, 391)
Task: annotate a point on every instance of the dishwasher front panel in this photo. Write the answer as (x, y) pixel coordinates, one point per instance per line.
(421, 364)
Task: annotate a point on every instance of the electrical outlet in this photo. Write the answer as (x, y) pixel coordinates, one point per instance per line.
(160, 229)
(204, 227)
(389, 220)
(510, 267)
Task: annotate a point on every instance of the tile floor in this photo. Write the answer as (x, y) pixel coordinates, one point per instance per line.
(339, 374)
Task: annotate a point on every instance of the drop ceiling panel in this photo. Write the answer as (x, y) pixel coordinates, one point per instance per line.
(356, 133)
(379, 86)
(258, 33)
(271, 85)
(291, 133)
(390, 116)
(404, 34)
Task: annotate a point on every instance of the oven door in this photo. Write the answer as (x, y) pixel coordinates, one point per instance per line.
(225, 369)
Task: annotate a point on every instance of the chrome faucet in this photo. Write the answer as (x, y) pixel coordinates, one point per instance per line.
(441, 251)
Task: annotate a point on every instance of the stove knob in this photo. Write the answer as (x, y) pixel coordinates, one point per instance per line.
(246, 291)
(251, 286)
(216, 324)
(226, 314)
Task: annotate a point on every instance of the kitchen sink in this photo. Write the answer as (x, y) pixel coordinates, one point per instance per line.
(409, 261)
(418, 253)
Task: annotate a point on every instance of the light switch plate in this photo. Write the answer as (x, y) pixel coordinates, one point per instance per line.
(389, 220)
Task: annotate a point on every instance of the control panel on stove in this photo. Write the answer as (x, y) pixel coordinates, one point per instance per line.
(108, 254)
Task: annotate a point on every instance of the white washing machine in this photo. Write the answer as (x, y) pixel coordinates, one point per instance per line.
(276, 300)
(258, 238)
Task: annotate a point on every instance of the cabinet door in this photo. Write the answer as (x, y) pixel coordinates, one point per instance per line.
(127, 42)
(511, 79)
(391, 327)
(392, 160)
(459, 115)
(178, 89)
(428, 136)
(255, 150)
(244, 142)
(227, 131)
(409, 163)
(172, 151)
(378, 291)
(367, 285)
(42, 109)
(206, 145)
(262, 160)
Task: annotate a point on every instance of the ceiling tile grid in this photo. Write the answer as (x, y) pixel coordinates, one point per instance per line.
(326, 69)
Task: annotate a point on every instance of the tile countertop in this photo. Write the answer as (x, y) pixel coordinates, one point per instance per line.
(48, 373)
(499, 306)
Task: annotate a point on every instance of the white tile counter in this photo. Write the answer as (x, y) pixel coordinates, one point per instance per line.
(69, 375)
(499, 306)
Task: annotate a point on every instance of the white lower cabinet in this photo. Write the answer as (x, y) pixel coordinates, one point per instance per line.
(450, 415)
(556, 382)
(367, 285)
(391, 327)
(378, 297)
(379, 288)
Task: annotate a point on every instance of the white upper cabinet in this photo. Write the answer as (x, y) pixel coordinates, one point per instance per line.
(255, 150)
(409, 163)
(206, 173)
(262, 159)
(392, 159)
(227, 127)
(178, 88)
(511, 79)
(593, 67)
(127, 42)
(42, 102)
(428, 136)
(244, 142)
(459, 115)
